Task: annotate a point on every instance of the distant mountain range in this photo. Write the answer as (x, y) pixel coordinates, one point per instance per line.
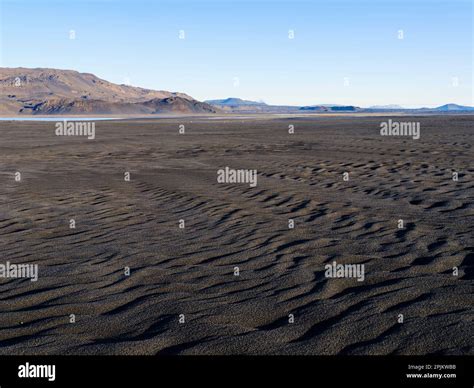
(233, 101)
(51, 91)
(235, 105)
(442, 108)
(386, 107)
(66, 92)
(326, 108)
(453, 107)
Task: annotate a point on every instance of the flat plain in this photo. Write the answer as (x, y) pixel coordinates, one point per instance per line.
(190, 271)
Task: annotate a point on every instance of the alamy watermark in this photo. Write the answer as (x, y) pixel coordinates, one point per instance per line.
(402, 128)
(16, 271)
(335, 270)
(231, 175)
(76, 128)
(28, 370)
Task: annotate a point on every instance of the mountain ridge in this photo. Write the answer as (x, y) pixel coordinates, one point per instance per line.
(55, 91)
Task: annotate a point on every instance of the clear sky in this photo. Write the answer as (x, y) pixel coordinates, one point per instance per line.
(342, 52)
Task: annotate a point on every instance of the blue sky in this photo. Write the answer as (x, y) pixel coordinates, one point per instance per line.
(343, 52)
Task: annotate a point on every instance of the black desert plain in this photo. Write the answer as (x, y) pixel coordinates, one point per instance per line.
(236, 279)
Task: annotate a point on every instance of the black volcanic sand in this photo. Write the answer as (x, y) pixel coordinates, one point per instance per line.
(191, 271)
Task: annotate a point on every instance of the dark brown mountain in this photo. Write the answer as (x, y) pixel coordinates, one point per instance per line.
(52, 91)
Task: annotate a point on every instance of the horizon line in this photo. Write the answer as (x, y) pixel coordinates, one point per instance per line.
(252, 99)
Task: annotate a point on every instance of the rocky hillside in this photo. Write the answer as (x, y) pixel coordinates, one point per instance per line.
(51, 91)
